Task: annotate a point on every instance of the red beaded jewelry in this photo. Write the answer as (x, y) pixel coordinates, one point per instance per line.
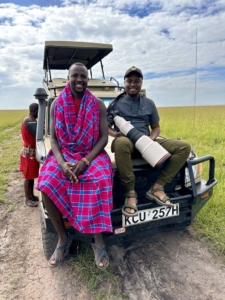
(85, 161)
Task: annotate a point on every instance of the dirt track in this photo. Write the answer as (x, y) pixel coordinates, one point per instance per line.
(170, 266)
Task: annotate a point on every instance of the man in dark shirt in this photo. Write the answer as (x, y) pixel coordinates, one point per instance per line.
(142, 113)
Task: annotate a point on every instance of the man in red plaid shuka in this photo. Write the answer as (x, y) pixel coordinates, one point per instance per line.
(76, 177)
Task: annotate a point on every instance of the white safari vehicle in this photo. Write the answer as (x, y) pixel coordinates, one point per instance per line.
(188, 190)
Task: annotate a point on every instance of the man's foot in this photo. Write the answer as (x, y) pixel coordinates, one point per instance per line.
(130, 206)
(30, 203)
(157, 194)
(101, 256)
(61, 251)
(34, 198)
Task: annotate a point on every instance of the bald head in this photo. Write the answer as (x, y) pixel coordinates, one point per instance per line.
(77, 64)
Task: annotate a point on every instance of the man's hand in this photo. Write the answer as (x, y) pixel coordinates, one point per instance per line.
(68, 170)
(79, 168)
(114, 133)
(118, 134)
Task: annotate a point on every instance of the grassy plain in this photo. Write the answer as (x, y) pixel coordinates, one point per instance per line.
(10, 145)
(202, 127)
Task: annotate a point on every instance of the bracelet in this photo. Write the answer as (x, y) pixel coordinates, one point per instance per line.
(84, 159)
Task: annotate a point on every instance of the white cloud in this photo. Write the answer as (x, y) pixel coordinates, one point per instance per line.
(162, 41)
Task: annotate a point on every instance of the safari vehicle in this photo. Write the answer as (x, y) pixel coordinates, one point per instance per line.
(188, 190)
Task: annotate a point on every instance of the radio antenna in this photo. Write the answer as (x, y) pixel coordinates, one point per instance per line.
(196, 67)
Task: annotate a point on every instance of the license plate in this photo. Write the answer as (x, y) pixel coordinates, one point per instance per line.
(152, 214)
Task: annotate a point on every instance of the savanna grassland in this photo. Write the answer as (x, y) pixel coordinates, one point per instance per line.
(10, 145)
(202, 127)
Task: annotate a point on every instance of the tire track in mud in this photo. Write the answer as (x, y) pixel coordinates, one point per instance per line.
(167, 266)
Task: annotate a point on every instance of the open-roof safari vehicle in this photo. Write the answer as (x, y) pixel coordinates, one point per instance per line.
(187, 190)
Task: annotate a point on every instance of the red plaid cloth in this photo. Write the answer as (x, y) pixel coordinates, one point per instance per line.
(29, 166)
(86, 204)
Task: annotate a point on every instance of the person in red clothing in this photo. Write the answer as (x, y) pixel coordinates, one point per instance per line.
(76, 177)
(29, 166)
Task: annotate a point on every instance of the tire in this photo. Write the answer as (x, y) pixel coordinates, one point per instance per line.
(49, 240)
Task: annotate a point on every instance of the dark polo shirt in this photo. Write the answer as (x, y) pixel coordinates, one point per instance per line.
(141, 112)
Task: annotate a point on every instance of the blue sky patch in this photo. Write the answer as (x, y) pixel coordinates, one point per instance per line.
(34, 2)
(214, 73)
(6, 20)
(140, 11)
(165, 31)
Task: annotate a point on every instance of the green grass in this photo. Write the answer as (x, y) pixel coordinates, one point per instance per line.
(9, 122)
(10, 209)
(10, 146)
(10, 118)
(97, 281)
(9, 161)
(203, 127)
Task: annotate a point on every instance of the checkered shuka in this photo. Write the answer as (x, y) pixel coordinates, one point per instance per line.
(86, 204)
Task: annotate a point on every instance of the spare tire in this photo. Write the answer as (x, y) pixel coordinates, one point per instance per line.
(49, 239)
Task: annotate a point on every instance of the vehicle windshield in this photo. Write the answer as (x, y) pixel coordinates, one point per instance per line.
(107, 100)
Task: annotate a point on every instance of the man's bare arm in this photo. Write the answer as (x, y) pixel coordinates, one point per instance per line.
(54, 143)
(103, 140)
(155, 131)
(114, 133)
(26, 122)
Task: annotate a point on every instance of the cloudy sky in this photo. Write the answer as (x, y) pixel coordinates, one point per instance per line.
(157, 36)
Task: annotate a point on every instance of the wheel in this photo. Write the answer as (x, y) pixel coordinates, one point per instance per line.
(49, 240)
